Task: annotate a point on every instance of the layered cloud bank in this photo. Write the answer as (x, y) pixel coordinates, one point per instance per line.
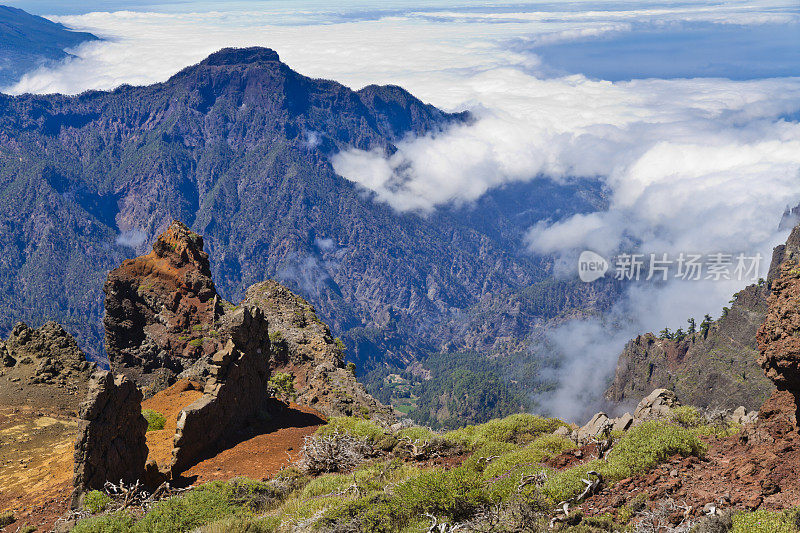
(697, 164)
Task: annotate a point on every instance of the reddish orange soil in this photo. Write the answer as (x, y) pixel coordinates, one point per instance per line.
(169, 403)
(259, 453)
(264, 450)
(756, 468)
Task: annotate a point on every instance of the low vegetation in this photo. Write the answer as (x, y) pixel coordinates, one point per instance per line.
(359, 476)
(155, 420)
(762, 521)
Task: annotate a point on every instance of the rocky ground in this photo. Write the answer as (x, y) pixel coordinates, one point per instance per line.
(43, 379)
(752, 469)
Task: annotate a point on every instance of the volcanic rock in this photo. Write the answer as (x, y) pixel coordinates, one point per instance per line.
(112, 444)
(161, 310)
(779, 335)
(234, 394)
(304, 347)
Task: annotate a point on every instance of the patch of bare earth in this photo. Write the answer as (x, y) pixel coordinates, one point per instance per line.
(35, 464)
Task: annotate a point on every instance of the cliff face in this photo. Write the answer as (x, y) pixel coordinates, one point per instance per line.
(721, 368)
(165, 320)
(779, 335)
(718, 369)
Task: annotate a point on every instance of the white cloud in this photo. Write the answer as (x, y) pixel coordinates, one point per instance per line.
(131, 238)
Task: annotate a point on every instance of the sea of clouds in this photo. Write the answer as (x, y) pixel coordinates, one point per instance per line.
(692, 164)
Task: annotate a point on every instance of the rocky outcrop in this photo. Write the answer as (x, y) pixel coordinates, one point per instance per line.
(779, 335)
(112, 445)
(656, 405)
(165, 320)
(52, 351)
(235, 392)
(715, 369)
(304, 347)
(44, 366)
(161, 310)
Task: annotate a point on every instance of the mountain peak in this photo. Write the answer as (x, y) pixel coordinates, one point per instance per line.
(241, 56)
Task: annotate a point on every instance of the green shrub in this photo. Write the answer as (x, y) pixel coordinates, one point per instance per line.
(358, 427)
(416, 433)
(119, 522)
(197, 343)
(155, 420)
(686, 416)
(282, 383)
(96, 501)
(648, 445)
(457, 493)
(763, 521)
(503, 474)
(203, 505)
(518, 429)
(565, 484)
(377, 512)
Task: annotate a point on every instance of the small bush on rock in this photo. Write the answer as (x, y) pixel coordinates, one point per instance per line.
(96, 501)
(282, 384)
(155, 420)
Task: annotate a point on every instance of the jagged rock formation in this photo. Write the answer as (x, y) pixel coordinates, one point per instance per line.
(304, 347)
(778, 337)
(112, 445)
(44, 366)
(161, 310)
(164, 319)
(235, 392)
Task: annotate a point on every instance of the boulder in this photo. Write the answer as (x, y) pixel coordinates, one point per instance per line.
(594, 428)
(623, 423)
(656, 405)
